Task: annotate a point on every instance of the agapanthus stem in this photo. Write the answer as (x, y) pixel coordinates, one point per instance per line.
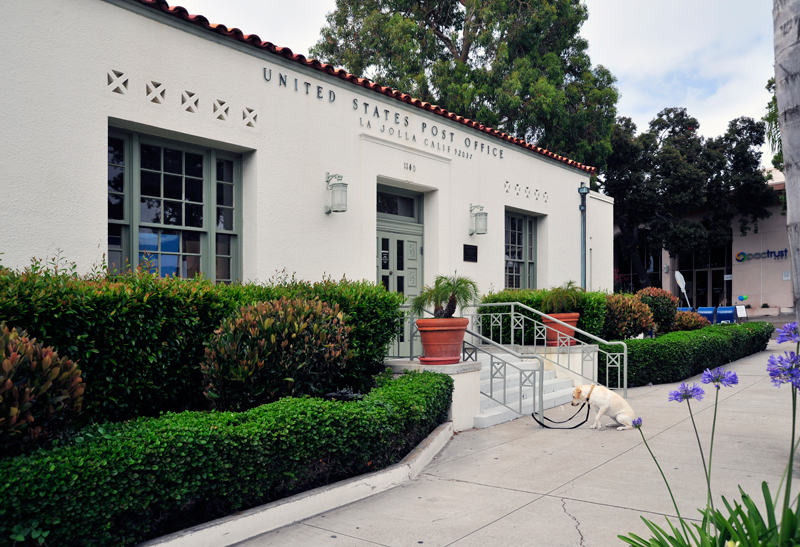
(711, 448)
(787, 495)
(783, 476)
(674, 503)
(710, 500)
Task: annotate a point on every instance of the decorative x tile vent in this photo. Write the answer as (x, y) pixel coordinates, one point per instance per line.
(117, 82)
(156, 92)
(190, 101)
(221, 110)
(507, 186)
(250, 117)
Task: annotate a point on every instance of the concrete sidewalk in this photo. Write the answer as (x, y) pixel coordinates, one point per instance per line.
(516, 484)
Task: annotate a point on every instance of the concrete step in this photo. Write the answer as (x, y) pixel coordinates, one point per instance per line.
(500, 414)
(513, 375)
(512, 392)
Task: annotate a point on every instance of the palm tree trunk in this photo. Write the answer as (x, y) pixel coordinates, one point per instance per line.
(786, 23)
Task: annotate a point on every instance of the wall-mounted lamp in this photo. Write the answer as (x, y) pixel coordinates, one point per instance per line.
(481, 220)
(338, 194)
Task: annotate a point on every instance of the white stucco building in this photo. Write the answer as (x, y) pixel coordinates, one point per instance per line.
(218, 146)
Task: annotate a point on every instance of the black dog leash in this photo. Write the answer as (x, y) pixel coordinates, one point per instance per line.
(585, 404)
(533, 415)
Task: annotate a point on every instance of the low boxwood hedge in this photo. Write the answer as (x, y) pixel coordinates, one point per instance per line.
(679, 355)
(139, 339)
(119, 484)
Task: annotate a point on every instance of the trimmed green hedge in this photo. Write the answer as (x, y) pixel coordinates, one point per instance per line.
(373, 315)
(118, 483)
(139, 339)
(680, 355)
(592, 310)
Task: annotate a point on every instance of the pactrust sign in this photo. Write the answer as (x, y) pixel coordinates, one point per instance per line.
(777, 255)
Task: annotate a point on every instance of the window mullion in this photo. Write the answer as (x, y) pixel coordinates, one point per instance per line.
(136, 210)
(210, 254)
(237, 268)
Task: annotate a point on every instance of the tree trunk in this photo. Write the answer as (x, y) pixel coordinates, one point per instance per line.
(786, 23)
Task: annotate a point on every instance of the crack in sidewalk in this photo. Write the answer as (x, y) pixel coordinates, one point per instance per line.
(577, 524)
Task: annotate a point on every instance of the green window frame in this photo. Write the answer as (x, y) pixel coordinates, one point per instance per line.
(173, 208)
(520, 251)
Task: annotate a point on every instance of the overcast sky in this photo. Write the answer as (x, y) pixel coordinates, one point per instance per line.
(713, 57)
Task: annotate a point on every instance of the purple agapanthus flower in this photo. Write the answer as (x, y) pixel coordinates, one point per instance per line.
(685, 392)
(788, 333)
(637, 423)
(720, 376)
(784, 369)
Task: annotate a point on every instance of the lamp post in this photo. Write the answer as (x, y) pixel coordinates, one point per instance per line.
(583, 191)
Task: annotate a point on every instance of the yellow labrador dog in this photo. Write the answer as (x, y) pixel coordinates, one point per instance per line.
(607, 402)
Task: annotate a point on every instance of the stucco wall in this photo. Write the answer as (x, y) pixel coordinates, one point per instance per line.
(58, 59)
(761, 279)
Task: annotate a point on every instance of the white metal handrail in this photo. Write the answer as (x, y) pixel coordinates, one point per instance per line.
(509, 316)
(499, 370)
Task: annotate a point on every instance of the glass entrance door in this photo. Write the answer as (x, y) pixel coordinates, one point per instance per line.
(701, 288)
(710, 288)
(399, 265)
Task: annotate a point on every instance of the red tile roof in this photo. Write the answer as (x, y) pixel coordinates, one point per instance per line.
(255, 41)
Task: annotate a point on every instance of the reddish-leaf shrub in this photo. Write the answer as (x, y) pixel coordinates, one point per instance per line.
(662, 303)
(39, 391)
(689, 320)
(275, 349)
(626, 317)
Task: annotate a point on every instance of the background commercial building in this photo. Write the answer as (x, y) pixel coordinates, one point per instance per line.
(756, 265)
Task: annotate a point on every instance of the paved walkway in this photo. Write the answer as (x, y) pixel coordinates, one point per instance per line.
(515, 484)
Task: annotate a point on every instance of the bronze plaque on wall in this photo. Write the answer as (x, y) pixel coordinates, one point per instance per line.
(470, 253)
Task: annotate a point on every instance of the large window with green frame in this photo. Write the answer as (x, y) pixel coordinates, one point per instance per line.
(174, 209)
(520, 251)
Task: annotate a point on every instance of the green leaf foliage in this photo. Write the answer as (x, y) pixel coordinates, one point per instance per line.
(39, 391)
(140, 339)
(519, 67)
(122, 483)
(679, 355)
(446, 294)
(744, 526)
(661, 178)
(663, 304)
(626, 317)
(374, 318)
(689, 320)
(276, 349)
(591, 306)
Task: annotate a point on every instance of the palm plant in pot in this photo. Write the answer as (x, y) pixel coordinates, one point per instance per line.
(562, 303)
(442, 336)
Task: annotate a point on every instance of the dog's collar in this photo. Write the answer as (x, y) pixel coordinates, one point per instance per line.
(590, 393)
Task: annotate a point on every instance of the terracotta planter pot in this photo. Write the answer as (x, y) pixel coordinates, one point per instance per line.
(442, 340)
(554, 328)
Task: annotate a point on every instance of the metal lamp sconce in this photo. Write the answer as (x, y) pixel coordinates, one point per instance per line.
(481, 220)
(338, 194)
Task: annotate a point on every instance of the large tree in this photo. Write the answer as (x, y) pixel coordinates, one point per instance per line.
(518, 66)
(773, 127)
(786, 20)
(684, 190)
